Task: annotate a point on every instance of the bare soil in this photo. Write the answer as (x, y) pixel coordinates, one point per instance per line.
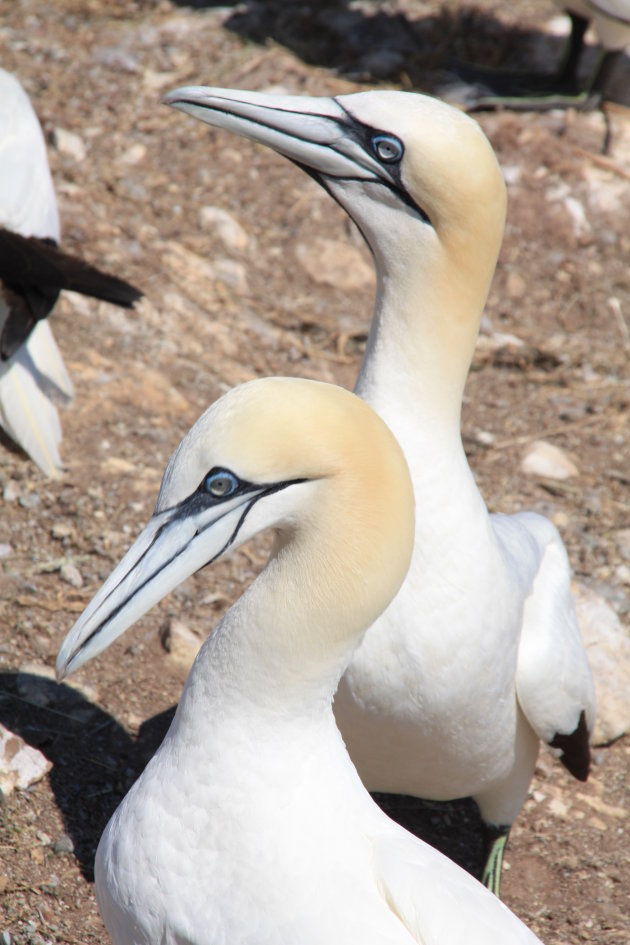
(215, 315)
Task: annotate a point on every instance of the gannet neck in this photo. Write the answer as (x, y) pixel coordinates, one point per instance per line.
(422, 183)
(433, 275)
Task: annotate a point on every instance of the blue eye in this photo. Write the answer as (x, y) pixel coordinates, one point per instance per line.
(387, 148)
(220, 483)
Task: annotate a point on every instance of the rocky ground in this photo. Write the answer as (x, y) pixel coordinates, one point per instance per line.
(249, 269)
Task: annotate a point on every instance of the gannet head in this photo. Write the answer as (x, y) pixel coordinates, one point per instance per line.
(409, 169)
(309, 459)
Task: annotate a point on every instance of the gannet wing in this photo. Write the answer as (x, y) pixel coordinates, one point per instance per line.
(553, 678)
(27, 415)
(437, 901)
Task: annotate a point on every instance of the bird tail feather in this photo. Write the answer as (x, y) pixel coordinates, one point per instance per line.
(27, 414)
(46, 356)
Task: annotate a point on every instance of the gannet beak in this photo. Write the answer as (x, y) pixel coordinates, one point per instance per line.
(318, 134)
(176, 543)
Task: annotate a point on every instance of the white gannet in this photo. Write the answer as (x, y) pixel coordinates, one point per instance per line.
(611, 22)
(480, 655)
(32, 273)
(250, 824)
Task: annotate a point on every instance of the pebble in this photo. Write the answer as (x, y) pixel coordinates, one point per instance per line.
(52, 886)
(231, 273)
(71, 574)
(5, 550)
(63, 845)
(69, 144)
(11, 491)
(61, 530)
(485, 437)
(29, 501)
(226, 227)
(545, 459)
(133, 155)
(622, 539)
(608, 648)
(180, 642)
(622, 573)
(116, 59)
(20, 764)
(515, 286)
(332, 262)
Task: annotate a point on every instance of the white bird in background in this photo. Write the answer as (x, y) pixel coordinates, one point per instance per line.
(611, 22)
(563, 88)
(480, 655)
(250, 824)
(32, 273)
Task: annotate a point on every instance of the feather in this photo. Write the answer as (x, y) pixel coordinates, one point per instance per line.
(27, 414)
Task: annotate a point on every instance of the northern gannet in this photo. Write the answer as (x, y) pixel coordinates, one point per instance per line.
(611, 22)
(480, 655)
(250, 824)
(32, 273)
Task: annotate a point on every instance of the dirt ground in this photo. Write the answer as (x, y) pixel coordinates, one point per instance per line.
(221, 309)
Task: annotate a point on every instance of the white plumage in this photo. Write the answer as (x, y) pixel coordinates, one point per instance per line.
(28, 207)
(479, 656)
(610, 19)
(250, 825)
(32, 272)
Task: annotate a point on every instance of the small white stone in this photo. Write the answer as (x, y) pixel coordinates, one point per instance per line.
(545, 459)
(20, 764)
(608, 648)
(70, 574)
(11, 491)
(133, 155)
(69, 144)
(232, 273)
(61, 530)
(515, 286)
(181, 643)
(226, 227)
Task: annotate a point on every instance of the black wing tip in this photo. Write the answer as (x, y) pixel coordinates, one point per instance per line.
(36, 267)
(575, 749)
(121, 293)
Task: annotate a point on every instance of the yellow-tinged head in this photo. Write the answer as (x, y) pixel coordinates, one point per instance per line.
(308, 459)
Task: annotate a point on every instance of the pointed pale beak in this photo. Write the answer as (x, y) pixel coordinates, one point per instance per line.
(175, 544)
(316, 133)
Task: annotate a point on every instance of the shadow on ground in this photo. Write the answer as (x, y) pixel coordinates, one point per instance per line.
(421, 53)
(95, 761)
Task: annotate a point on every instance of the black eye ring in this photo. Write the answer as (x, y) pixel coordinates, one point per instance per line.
(388, 148)
(220, 483)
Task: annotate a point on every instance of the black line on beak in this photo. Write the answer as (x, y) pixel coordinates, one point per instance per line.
(276, 487)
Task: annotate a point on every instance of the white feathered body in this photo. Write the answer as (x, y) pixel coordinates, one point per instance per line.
(28, 206)
(263, 835)
(611, 19)
(477, 657)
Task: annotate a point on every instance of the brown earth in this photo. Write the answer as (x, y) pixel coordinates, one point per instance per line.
(216, 314)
